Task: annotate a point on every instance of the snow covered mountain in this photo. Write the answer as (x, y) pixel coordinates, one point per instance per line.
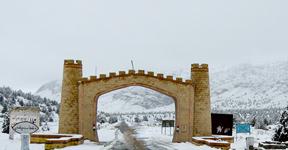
(51, 90)
(135, 99)
(240, 87)
(249, 86)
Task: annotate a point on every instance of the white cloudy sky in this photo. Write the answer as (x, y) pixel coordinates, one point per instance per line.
(36, 35)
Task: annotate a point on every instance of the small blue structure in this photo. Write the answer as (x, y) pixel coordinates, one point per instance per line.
(243, 128)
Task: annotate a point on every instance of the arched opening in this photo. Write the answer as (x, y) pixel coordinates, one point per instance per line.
(138, 108)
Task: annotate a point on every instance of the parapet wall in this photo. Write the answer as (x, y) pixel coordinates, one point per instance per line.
(70, 63)
(159, 76)
(192, 98)
(199, 68)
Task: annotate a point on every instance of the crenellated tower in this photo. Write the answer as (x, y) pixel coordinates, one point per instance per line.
(202, 107)
(69, 109)
(79, 98)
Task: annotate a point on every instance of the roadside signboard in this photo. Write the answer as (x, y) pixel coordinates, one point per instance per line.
(25, 127)
(243, 128)
(29, 114)
(24, 120)
(222, 124)
(167, 124)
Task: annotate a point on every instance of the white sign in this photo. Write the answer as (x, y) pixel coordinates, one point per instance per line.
(21, 114)
(24, 120)
(25, 127)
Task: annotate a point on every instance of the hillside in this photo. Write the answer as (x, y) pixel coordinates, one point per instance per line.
(249, 87)
(135, 99)
(240, 87)
(11, 98)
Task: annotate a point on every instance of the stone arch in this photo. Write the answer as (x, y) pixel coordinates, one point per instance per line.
(97, 96)
(78, 98)
(181, 92)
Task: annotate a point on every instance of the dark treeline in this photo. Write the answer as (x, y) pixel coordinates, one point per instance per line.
(16, 98)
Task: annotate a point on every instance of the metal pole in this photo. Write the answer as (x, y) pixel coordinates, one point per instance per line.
(132, 65)
(25, 140)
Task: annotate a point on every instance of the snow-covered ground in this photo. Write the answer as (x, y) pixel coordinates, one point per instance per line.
(150, 135)
(154, 139)
(6, 144)
(258, 134)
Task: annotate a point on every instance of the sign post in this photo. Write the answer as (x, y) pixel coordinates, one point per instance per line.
(25, 138)
(222, 124)
(25, 120)
(167, 123)
(25, 128)
(243, 128)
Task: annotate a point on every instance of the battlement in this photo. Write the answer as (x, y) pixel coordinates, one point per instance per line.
(71, 62)
(159, 76)
(199, 68)
(79, 98)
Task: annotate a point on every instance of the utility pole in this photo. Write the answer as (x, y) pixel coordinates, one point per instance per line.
(132, 65)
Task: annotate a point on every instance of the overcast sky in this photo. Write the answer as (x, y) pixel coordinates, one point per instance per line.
(36, 36)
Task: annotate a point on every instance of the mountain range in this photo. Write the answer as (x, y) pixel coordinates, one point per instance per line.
(243, 86)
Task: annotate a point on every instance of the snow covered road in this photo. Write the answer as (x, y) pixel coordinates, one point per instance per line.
(143, 137)
(153, 139)
(149, 136)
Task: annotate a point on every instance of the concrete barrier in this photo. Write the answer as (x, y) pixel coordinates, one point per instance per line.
(53, 141)
(222, 142)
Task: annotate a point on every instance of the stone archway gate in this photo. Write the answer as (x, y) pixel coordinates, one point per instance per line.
(80, 97)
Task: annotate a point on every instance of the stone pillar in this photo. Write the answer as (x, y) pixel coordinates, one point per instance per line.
(69, 110)
(202, 104)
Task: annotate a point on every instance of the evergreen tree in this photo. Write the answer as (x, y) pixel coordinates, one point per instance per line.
(21, 103)
(5, 109)
(137, 119)
(6, 123)
(113, 119)
(266, 122)
(281, 133)
(253, 122)
(145, 118)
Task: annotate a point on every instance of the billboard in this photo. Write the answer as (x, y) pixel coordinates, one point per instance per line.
(222, 124)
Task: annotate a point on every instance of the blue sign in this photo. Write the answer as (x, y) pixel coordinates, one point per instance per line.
(243, 128)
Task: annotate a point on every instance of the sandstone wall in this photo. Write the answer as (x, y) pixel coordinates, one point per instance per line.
(79, 98)
(202, 106)
(69, 112)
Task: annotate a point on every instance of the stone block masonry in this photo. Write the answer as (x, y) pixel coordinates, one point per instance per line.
(80, 95)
